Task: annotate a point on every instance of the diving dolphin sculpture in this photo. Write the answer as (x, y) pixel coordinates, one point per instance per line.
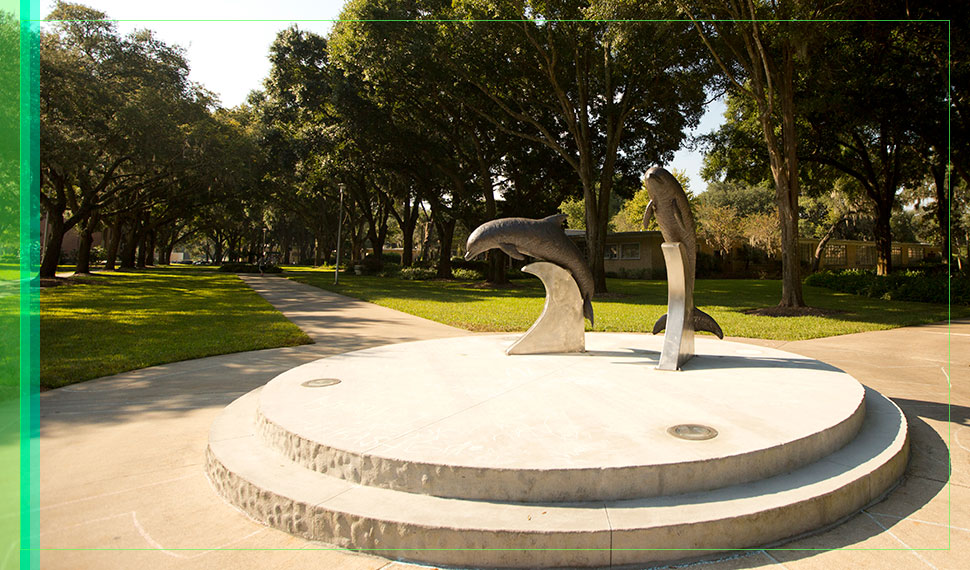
(669, 204)
(542, 239)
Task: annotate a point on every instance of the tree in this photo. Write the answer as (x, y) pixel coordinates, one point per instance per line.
(112, 113)
(865, 114)
(759, 61)
(720, 226)
(584, 90)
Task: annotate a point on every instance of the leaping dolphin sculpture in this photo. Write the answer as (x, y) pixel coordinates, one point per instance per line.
(542, 239)
(668, 202)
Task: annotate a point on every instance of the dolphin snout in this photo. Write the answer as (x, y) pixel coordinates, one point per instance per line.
(654, 172)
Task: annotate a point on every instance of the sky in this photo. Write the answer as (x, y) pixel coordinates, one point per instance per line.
(227, 45)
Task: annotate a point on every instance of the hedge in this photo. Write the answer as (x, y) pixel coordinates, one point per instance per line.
(914, 285)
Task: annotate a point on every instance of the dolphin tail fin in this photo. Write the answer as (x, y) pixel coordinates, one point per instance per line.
(704, 322)
(701, 321)
(556, 219)
(588, 310)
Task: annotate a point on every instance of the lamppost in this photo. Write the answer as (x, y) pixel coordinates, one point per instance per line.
(340, 211)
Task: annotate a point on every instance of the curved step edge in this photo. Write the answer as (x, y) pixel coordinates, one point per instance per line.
(285, 495)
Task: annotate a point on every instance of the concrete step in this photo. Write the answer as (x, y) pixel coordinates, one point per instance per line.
(457, 532)
(459, 418)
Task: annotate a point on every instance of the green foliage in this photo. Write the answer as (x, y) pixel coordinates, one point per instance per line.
(248, 268)
(575, 211)
(475, 264)
(920, 286)
(416, 273)
(634, 305)
(630, 216)
(746, 199)
(468, 274)
(720, 226)
(108, 324)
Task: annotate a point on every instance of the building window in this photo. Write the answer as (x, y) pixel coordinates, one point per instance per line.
(897, 255)
(834, 254)
(630, 251)
(807, 251)
(612, 251)
(866, 255)
(915, 254)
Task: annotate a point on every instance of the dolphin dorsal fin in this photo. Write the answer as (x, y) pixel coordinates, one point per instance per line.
(557, 219)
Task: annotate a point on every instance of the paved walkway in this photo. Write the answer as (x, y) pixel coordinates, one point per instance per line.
(121, 457)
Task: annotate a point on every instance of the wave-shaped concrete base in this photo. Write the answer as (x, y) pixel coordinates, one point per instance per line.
(450, 452)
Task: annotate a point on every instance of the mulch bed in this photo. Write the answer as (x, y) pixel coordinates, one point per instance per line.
(791, 312)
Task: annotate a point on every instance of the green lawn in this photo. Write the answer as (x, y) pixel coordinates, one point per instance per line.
(631, 305)
(121, 321)
(9, 272)
(9, 330)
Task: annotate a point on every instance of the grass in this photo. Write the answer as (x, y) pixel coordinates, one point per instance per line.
(631, 305)
(111, 323)
(9, 331)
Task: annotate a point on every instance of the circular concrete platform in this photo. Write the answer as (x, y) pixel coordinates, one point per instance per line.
(459, 418)
(450, 452)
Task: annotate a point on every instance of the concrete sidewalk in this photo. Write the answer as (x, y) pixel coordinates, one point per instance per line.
(122, 477)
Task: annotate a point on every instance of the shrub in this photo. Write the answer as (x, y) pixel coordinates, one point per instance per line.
(391, 257)
(912, 285)
(370, 264)
(417, 273)
(475, 264)
(248, 268)
(468, 274)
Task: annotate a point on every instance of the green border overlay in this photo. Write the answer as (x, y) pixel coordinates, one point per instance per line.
(9, 284)
(19, 215)
(19, 168)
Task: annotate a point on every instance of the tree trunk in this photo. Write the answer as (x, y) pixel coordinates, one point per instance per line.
(84, 244)
(596, 249)
(165, 254)
(940, 180)
(446, 234)
(114, 240)
(217, 251)
(316, 251)
(884, 238)
(142, 249)
(130, 246)
(408, 223)
(52, 251)
(497, 262)
(151, 243)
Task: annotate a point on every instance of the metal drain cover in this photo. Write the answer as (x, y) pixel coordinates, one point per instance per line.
(320, 382)
(694, 432)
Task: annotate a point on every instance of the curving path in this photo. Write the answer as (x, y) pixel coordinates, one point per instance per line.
(121, 457)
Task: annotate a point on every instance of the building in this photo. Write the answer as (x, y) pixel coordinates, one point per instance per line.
(637, 255)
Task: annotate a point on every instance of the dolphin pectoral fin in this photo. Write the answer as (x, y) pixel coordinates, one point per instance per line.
(510, 250)
(588, 310)
(648, 213)
(557, 219)
(704, 322)
(660, 325)
(677, 213)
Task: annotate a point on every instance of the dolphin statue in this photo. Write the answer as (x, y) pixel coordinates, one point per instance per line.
(542, 239)
(669, 204)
